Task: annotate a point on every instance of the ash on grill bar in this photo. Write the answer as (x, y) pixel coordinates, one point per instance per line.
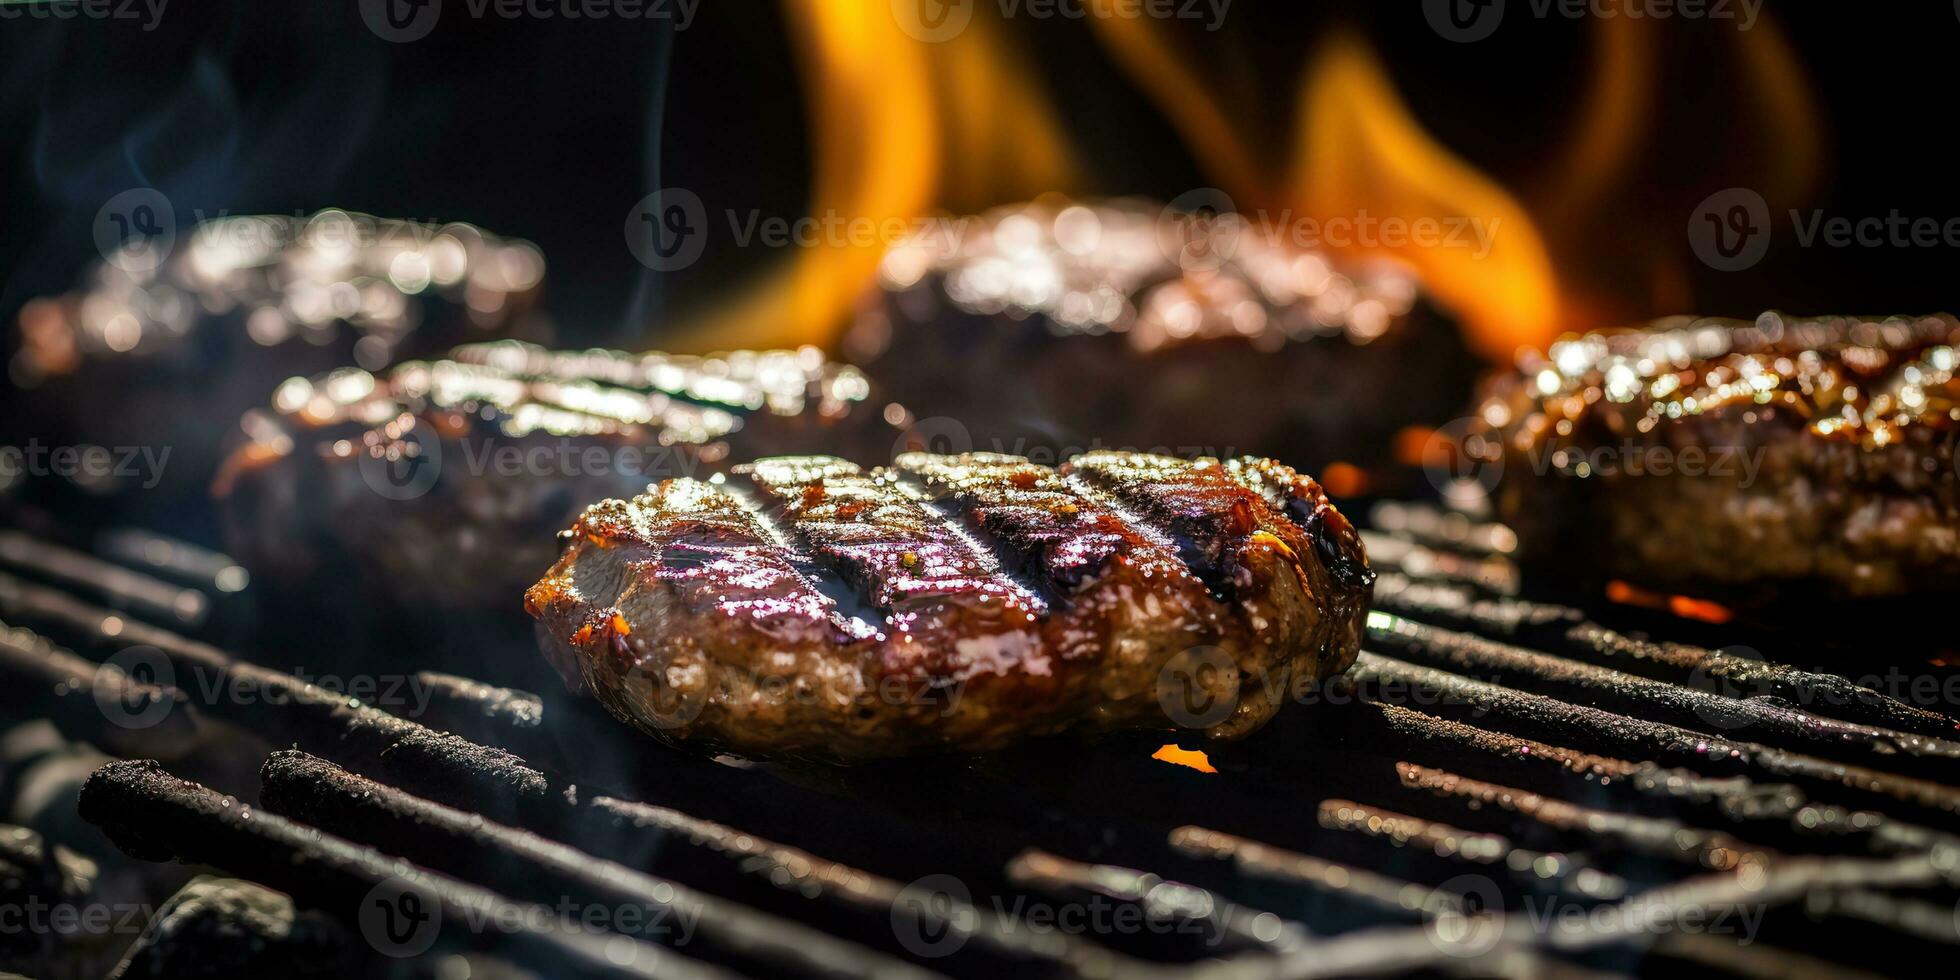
(1206, 492)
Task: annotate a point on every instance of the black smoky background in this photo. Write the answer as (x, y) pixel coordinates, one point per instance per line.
(550, 129)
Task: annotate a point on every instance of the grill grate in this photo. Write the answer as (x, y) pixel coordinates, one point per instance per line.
(1502, 785)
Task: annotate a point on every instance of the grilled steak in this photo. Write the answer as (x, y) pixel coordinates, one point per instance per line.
(805, 606)
(1738, 459)
(153, 352)
(442, 483)
(1042, 331)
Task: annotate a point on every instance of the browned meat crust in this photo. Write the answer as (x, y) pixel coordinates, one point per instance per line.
(156, 356)
(443, 483)
(803, 606)
(1738, 460)
(1048, 329)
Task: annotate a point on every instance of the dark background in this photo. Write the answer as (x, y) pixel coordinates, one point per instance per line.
(552, 129)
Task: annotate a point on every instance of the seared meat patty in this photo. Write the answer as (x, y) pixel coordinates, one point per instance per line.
(1048, 329)
(1739, 460)
(804, 606)
(443, 483)
(161, 351)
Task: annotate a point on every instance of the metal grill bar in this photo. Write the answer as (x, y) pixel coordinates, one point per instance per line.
(153, 814)
(1642, 697)
(306, 788)
(1567, 631)
(1596, 750)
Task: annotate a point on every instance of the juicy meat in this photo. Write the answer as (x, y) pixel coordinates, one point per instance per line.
(805, 606)
(1741, 460)
(443, 482)
(166, 355)
(1124, 325)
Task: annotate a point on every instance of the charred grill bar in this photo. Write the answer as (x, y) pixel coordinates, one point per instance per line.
(152, 814)
(1644, 824)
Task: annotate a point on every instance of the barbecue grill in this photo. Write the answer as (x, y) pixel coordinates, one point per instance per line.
(1502, 785)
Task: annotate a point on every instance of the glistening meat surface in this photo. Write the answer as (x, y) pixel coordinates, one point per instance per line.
(804, 606)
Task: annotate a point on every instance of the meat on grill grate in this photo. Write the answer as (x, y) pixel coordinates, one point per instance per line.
(995, 599)
(1738, 459)
(430, 478)
(1466, 826)
(1128, 325)
(159, 348)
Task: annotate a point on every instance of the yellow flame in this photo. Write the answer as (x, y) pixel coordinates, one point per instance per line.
(1615, 115)
(900, 126)
(1360, 149)
(1195, 109)
(1003, 141)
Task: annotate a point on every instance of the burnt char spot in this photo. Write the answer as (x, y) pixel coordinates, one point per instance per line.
(1304, 503)
(1339, 547)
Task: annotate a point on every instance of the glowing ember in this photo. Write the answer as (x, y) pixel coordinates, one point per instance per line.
(1188, 758)
(1686, 607)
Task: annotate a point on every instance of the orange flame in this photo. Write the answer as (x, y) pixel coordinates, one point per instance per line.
(900, 126)
(1360, 150)
(903, 126)
(1360, 156)
(1195, 109)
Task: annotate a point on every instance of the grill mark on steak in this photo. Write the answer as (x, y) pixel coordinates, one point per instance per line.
(1040, 523)
(1202, 513)
(705, 611)
(904, 556)
(489, 450)
(962, 524)
(767, 515)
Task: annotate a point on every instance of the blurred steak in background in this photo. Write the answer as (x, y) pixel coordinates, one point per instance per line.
(1735, 459)
(153, 354)
(1049, 327)
(443, 484)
